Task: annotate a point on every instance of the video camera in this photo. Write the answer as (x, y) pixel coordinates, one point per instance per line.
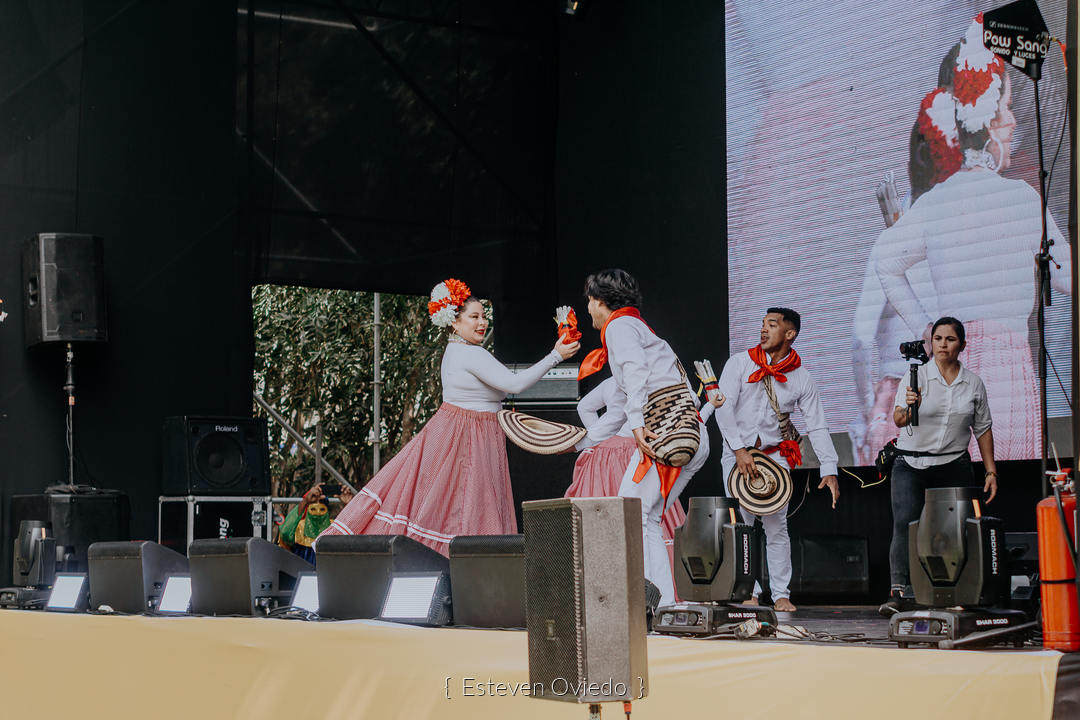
(914, 350)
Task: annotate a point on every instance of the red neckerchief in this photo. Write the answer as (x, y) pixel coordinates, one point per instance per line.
(791, 362)
(597, 358)
(789, 449)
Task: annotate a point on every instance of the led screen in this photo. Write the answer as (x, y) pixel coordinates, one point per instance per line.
(822, 102)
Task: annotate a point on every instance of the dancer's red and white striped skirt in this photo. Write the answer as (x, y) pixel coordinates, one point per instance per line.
(598, 472)
(451, 479)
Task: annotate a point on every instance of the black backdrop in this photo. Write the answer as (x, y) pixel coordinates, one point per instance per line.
(117, 119)
(365, 145)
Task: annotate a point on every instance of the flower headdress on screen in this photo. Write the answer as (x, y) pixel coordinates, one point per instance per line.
(973, 102)
(446, 300)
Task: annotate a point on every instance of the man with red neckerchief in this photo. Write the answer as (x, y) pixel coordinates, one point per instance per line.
(747, 420)
(641, 363)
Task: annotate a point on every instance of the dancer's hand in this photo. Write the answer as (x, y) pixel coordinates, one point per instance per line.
(834, 487)
(718, 400)
(566, 350)
(643, 437)
(744, 461)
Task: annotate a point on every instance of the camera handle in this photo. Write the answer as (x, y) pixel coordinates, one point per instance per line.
(913, 383)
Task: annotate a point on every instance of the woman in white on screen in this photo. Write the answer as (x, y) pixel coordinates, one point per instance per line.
(606, 451)
(979, 234)
(452, 478)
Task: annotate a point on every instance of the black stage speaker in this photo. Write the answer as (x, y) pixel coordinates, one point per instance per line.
(215, 456)
(64, 288)
(487, 580)
(76, 521)
(355, 570)
(585, 599)
(241, 576)
(830, 565)
(129, 577)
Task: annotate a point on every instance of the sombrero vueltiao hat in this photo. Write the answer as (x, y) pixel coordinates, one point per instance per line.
(542, 437)
(765, 494)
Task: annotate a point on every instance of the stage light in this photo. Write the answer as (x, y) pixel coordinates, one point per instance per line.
(418, 599)
(572, 7)
(33, 567)
(69, 593)
(306, 596)
(176, 598)
(129, 576)
(487, 578)
(715, 564)
(959, 569)
(355, 570)
(241, 576)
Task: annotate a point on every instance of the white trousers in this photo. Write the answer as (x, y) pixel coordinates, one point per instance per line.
(777, 541)
(657, 567)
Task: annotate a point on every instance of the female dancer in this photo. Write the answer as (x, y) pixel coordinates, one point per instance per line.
(452, 478)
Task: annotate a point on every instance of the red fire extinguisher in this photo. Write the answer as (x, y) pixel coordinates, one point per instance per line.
(1057, 573)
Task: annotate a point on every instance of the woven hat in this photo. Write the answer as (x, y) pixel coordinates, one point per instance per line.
(539, 436)
(765, 494)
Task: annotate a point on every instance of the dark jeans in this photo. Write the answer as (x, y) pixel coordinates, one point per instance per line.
(908, 495)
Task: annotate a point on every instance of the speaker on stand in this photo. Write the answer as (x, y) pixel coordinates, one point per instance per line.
(64, 302)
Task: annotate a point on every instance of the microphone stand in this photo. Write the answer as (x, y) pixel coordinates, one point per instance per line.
(1042, 261)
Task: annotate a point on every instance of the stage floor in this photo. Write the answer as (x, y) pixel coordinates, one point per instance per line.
(94, 666)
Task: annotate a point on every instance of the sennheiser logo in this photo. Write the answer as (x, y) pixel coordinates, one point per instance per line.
(746, 554)
(993, 553)
(226, 428)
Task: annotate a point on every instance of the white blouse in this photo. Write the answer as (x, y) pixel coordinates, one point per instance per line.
(613, 422)
(948, 415)
(473, 379)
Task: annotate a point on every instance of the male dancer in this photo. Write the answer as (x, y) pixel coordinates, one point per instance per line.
(747, 420)
(641, 363)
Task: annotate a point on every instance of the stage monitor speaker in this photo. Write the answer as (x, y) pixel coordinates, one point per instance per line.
(355, 570)
(215, 456)
(241, 576)
(130, 576)
(64, 288)
(487, 579)
(76, 521)
(830, 565)
(585, 599)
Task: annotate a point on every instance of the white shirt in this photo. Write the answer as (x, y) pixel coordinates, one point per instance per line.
(473, 379)
(748, 416)
(613, 422)
(641, 363)
(948, 415)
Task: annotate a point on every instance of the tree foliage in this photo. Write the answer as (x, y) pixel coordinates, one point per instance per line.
(314, 362)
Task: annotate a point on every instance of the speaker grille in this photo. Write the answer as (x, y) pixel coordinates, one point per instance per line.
(555, 607)
(219, 459)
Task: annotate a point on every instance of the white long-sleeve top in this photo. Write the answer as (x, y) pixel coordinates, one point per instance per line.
(748, 416)
(473, 379)
(979, 233)
(612, 400)
(641, 363)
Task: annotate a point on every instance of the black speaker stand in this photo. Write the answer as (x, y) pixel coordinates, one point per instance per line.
(69, 388)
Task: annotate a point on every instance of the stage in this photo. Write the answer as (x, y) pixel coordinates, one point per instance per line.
(94, 666)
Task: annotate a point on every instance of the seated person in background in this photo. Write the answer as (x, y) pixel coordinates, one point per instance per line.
(306, 520)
